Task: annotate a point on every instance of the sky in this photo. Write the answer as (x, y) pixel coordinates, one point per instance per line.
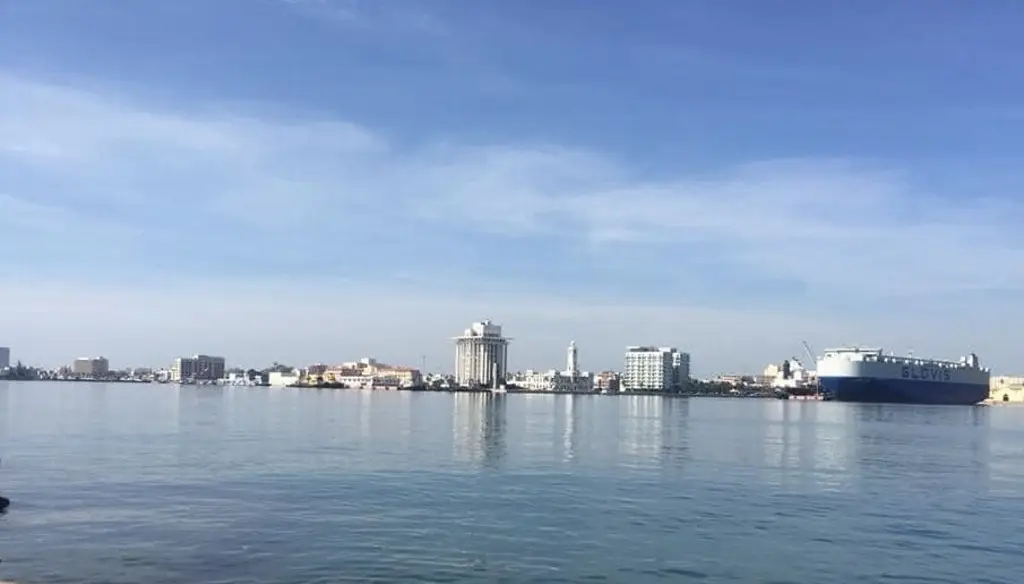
(321, 180)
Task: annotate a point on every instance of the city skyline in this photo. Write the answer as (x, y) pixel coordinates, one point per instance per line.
(704, 175)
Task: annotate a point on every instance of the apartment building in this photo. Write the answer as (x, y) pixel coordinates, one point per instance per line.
(90, 366)
(649, 368)
(198, 367)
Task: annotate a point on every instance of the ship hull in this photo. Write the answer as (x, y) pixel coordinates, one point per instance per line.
(902, 391)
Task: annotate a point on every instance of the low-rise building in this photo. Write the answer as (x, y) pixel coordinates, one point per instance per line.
(368, 373)
(608, 382)
(284, 378)
(570, 380)
(557, 381)
(1006, 388)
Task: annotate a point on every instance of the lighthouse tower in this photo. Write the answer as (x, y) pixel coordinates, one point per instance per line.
(572, 361)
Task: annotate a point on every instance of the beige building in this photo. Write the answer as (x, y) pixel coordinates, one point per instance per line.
(368, 373)
(90, 366)
(1006, 388)
(198, 367)
(607, 381)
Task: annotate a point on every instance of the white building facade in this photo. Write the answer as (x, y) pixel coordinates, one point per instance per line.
(556, 381)
(650, 368)
(481, 356)
(570, 380)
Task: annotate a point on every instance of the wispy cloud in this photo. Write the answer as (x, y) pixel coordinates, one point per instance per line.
(92, 172)
(390, 15)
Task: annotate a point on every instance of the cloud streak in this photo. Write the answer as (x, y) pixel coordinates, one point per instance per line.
(89, 175)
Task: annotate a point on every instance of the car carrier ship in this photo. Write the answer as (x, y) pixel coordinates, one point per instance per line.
(868, 375)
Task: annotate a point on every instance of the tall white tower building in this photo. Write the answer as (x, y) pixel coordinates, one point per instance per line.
(572, 364)
(481, 355)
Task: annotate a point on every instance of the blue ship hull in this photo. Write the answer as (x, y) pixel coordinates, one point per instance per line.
(901, 391)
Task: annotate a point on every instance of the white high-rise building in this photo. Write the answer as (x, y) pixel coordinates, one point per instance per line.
(481, 356)
(5, 357)
(572, 364)
(655, 368)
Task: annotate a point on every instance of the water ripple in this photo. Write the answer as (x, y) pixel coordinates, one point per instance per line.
(158, 484)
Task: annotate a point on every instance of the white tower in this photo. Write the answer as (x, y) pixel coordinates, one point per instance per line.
(572, 361)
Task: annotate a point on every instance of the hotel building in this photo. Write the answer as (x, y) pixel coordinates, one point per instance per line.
(481, 356)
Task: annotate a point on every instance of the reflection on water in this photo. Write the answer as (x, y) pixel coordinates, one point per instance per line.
(478, 428)
(808, 437)
(5, 412)
(282, 485)
(494, 429)
(927, 441)
(641, 426)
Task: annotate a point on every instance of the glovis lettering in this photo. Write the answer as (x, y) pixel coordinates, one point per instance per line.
(926, 373)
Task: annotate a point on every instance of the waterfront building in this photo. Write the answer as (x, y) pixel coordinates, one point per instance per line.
(367, 373)
(556, 381)
(481, 355)
(90, 366)
(284, 378)
(607, 381)
(5, 358)
(650, 368)
(569, 380)
(198, 367)
(1006, 388)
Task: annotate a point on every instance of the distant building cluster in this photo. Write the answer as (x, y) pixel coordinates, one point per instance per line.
(365, 373)
(571, 379)
(481, 363)
(481, 360)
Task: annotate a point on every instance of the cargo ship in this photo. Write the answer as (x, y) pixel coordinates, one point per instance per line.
(868, 375)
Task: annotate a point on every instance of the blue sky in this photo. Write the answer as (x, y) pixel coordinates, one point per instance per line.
(314, 180)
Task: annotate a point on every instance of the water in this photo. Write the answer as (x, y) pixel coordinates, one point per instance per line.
(122, 483)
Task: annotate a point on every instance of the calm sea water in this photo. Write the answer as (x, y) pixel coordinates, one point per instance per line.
(154, 484)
